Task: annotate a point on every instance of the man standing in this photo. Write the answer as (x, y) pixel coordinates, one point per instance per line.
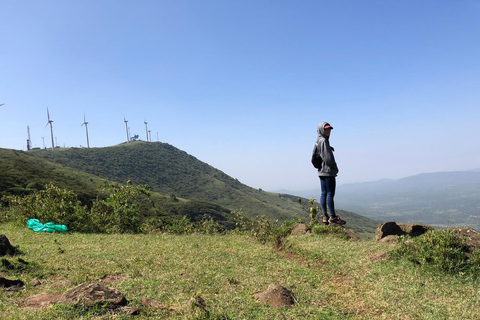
(324, 160)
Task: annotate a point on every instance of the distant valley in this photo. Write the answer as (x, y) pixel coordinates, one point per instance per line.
(441, 199)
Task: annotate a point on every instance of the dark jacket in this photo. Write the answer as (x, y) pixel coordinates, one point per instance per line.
(322, 148)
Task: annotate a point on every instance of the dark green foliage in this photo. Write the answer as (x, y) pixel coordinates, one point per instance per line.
(439, 249)
(123, 210)
(53, 204)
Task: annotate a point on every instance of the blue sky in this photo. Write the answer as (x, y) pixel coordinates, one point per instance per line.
(242, 84)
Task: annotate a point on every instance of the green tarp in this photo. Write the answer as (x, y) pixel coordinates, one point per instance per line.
(37, 226)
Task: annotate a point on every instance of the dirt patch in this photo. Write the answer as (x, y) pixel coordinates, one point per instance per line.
(276, 296)
(41, 300)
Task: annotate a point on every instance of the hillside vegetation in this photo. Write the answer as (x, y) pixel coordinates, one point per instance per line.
(182, 185)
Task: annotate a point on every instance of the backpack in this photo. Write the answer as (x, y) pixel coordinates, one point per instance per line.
(316, 158)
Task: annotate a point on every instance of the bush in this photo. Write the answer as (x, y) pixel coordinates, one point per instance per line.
(439, 249)
(262, 228)
(121, 211)
(52, 204)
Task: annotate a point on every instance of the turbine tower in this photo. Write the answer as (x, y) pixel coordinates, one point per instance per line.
(51, 128)
(126, 129)
(29, 142)
(85, 123)
(146, 128)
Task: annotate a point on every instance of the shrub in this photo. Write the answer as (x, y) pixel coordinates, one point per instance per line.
(208, 226)
(262, 228)
(440, 249)
(52, 204)
(121, 211)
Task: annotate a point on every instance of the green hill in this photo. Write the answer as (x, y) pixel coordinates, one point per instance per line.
(22, 173)
(172, 173)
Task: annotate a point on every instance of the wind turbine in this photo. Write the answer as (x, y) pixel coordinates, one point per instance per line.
(126, 128)
(29, 142)
(85, 123)
(51, 128)
(146, 128)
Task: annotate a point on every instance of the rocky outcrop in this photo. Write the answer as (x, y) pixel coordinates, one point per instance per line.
(471, 236)
(5, 246)
(400, 229)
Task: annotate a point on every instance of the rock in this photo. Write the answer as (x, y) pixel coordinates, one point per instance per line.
(5, 246)
(129, 311)
(11, 285)
(352, 235)
(390, 238)
(300, 229)
(276, 296)
(42, 300)
(89, 294)
(400, 229)
(471, 235)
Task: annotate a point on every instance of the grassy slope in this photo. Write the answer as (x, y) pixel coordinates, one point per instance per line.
(334, 281)
(21, 172)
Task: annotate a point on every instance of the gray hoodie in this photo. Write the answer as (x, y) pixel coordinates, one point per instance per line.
(322, 147)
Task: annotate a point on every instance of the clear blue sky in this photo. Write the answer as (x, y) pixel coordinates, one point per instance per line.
(242, 84)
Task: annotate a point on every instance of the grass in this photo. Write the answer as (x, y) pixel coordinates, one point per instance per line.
(331, 278)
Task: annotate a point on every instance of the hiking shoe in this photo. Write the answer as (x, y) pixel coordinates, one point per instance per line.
(325, 220)
(336, 220)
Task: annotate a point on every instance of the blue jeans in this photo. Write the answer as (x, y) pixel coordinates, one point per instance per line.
(328, 185)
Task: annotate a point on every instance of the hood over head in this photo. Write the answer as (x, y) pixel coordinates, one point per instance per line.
(321, 129)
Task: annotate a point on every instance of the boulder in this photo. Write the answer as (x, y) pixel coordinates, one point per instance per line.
(5, 246)
(276, 296)
(89, 294)
(471, 235)
(399, 229)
